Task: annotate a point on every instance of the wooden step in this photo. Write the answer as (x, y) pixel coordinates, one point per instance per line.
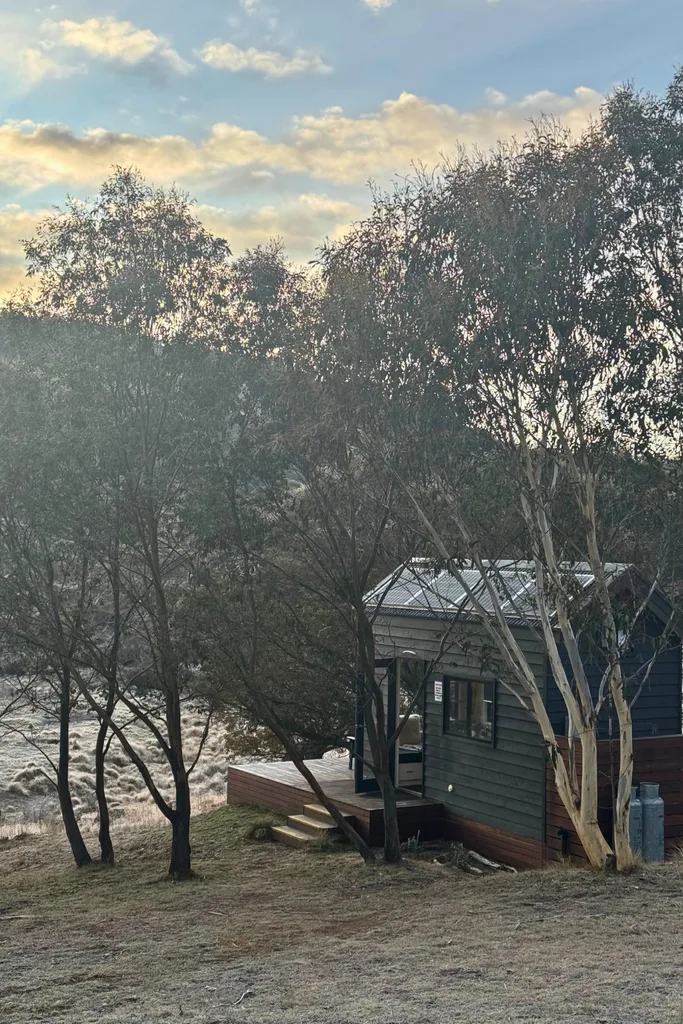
(291, 836)
(322, 814)
(313, 826)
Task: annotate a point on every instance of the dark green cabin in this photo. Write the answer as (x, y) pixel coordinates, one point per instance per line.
(473, 746)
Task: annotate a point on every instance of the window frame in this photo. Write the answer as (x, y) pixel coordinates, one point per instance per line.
(448, 682)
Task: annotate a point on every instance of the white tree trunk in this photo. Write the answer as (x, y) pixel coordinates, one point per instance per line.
(590, 830)
(582, 808)
(622, 808)
(583, 818)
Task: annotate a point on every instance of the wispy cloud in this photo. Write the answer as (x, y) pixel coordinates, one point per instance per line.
(270, 63)
(32, 59)
(117, 41)
(36, 65)
(379, 5)
(263, 12)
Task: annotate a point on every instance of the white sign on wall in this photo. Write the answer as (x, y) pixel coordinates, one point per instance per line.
(438, 691)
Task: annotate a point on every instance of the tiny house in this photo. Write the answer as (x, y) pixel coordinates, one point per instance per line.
(473, 747)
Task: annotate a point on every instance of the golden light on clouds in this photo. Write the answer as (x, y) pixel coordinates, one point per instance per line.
(302, 222)
(330, 147)
(269, 63)
(108, 38)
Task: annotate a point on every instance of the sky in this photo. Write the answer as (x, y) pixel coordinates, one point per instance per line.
(276, 114)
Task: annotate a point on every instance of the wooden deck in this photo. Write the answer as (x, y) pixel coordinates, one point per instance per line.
(279, 786)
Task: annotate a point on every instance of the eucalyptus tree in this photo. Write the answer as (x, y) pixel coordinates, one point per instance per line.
(115, 424)
(299, 522)
(643, 132)
(529, 326)
(45, 587)
(134, 258)
(148, 405)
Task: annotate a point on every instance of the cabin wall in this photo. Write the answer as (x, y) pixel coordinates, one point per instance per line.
(501, 785)
(656, 712)
(655, 759)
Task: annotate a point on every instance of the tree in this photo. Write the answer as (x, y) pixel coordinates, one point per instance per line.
(267, 302)
(266, 650)
(510, 269)
(43, 589)
(317, 528)
(642, 134)
(133, 258)
(124, 418)
(294, 655)
(151, 416)
(137, 260)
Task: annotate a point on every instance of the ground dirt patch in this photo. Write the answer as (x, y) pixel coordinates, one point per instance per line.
(266, 934)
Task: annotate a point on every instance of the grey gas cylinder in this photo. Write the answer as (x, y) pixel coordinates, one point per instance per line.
(636, 822)
(653, 822)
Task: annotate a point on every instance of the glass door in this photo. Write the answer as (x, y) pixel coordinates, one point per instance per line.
(410, 701)
(385, 675)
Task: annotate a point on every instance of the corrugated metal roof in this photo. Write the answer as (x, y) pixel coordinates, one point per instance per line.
(420, 589)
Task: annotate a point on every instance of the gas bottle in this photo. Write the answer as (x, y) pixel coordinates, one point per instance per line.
(636, 822)
(653, 822)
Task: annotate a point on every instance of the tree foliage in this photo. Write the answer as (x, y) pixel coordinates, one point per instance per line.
(135, 257)
(227, 454)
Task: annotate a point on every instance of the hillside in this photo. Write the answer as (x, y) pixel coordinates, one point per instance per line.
(28, 797)
(267, 934)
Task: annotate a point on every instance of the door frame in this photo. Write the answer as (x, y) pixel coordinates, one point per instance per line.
(363, 784)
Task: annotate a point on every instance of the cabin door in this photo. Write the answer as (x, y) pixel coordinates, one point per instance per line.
(386, 675)
(409, 751)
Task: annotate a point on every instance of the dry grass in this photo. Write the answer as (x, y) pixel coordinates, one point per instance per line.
(27, 797)
(325, 940)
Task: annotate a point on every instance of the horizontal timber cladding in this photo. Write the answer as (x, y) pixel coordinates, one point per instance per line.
(655, 759)
(657, 710)
(516, 850)
(500, 784)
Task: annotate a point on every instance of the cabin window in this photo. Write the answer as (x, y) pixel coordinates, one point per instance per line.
(468, 709)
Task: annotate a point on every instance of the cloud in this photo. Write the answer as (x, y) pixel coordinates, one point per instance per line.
(302, 223)
(35, 65)
(495, 98)
(15, 223)
(35, 155)
(330, 146)
(379, 5)
(120, 42)
(231, 160)
(409, 129)
(31, 60)
(261, 10)
(269, 63)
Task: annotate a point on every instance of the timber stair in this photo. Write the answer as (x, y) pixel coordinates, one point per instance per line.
(314, 824)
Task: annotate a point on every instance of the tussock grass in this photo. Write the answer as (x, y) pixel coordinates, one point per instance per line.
(22, 780)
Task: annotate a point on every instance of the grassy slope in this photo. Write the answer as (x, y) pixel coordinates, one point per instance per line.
(26, 795)
(321, 938)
